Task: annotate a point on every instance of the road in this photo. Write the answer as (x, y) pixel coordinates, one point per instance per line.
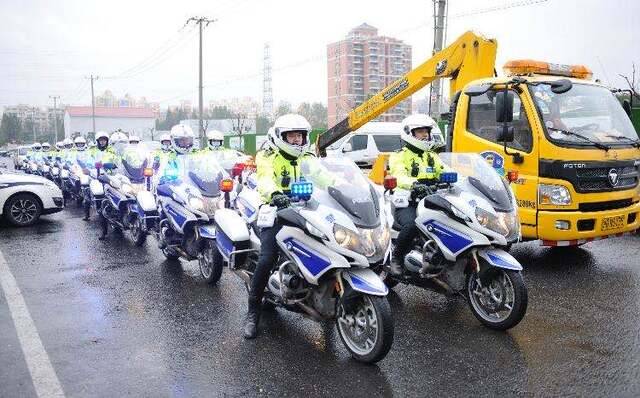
(117, 320)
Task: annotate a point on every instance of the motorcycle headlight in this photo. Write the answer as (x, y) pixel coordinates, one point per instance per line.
(196, 203)
(353, 241)
(496, 223)
(553, 195)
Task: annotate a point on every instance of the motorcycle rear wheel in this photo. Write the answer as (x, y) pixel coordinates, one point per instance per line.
(366, 327)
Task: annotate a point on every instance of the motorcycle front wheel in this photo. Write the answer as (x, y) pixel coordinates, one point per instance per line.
(136, 232)
(501, 302)
(365, 325)
(211, 263)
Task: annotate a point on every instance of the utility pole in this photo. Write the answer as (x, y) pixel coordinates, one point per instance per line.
(55, 114)
(93, 102)
(200, 21)
(33, 122)
(439, 22)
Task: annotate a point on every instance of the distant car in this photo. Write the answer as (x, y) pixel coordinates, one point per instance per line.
(24, 198)
(365, 144)
(19, 155)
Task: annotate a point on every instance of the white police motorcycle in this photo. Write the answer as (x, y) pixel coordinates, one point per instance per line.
(188, 195)
(465, 224)
(334, 230)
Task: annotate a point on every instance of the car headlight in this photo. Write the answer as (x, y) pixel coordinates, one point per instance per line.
(553, 195)
(351, 240)
(196, 203)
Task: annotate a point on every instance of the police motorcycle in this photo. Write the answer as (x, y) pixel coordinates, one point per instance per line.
(139, 213)
(333, 232)
(77, 183)
(188, 194)
(466, 223)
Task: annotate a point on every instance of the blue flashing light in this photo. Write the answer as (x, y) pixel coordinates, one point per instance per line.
(302, 190)
(449, 177)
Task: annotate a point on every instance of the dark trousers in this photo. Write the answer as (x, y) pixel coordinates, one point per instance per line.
(266, 260)
(406, 217)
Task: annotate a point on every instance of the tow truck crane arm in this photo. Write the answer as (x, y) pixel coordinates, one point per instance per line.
(470, 57)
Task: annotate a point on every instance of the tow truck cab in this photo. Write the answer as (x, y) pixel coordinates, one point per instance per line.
(571, 142)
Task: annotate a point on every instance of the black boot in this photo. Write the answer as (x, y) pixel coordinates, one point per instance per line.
(87, 214)
(253, 317)
(103, 231)
(396, 267)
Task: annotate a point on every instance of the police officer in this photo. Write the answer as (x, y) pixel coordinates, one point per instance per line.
(415, 166)
(104, 153)
(277, 167)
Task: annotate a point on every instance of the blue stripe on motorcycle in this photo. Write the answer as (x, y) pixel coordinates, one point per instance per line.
(453, 240)
(311, 261)
(502, 262)
(364, 286)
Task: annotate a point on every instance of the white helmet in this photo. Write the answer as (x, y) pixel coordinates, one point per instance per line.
(102, 135)
(36, 146)
(60, 145)
(134, 139)
(412, 122)
(215, 139)
(80, 143)
(165, 142)
(182, 138)
(68, 144)
(288, 123)
(46, 146)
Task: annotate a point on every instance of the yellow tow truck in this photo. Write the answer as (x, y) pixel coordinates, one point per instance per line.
(567, 139)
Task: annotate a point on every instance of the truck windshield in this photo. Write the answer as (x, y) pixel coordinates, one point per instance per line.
(592, 112)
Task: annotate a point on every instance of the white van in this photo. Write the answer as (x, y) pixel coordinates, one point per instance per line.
(365, 144)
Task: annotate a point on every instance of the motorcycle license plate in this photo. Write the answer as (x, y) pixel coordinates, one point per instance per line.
(612, 223)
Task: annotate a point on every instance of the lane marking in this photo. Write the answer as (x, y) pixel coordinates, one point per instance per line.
(43, 376)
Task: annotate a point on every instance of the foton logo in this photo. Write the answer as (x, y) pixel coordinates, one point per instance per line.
(574, 165)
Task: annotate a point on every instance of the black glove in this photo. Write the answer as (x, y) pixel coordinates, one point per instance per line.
(280, 200)
(419, 191)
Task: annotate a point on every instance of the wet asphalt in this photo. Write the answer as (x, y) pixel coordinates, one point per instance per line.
(118, 320)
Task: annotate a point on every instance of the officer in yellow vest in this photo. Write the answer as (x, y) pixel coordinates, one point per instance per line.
(415, 166)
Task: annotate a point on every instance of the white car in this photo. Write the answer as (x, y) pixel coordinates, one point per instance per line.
(24, 198)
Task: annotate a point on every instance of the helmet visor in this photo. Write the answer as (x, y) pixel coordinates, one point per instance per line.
(183, 142)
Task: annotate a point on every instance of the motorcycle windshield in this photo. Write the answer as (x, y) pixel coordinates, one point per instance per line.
(83, 159)
(206, 173)
(474, 171)
(226, 158)
(344, 182)
(134, 158)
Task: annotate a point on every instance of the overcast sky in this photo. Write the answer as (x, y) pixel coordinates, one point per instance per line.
(141, 48)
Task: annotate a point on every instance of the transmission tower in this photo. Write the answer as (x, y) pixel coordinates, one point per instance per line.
(267, 92)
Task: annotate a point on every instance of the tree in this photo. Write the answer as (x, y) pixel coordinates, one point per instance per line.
(221, 112)
(284, 107)
(240, 125)
(9, 129)
(633, 86)
(319, 112)
(262, 124)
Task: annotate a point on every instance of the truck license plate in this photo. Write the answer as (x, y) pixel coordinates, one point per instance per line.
(612, 223)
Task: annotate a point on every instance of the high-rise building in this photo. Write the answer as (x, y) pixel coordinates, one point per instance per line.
(361, 65)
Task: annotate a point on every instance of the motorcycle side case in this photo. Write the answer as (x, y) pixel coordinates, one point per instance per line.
(231, 231)
(146, 201)
(96, 188)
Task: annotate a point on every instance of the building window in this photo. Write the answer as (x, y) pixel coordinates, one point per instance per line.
(481, 121)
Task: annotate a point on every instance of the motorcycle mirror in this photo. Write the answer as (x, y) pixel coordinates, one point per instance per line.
(390, 183)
